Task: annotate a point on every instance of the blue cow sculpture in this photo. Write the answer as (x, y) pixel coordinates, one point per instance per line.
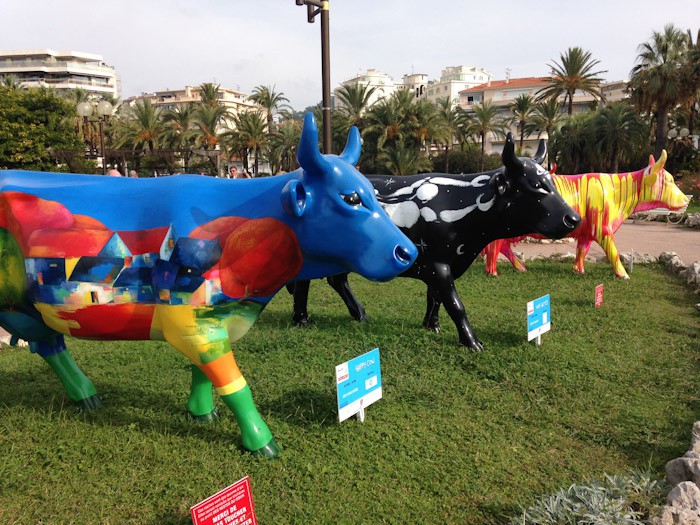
(190, 260)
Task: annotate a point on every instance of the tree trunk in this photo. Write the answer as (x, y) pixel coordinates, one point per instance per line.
(522, 135)
(447, 159)
(482, 151)
(661, 129)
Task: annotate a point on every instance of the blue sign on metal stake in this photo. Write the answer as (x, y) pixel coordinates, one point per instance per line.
(539, 317)
(359, 384)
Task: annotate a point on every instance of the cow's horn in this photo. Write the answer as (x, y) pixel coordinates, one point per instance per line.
(353, 147)
(510, 161)
(541, 152)
(308, 155)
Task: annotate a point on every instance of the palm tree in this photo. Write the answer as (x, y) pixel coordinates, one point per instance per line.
(547, 116)
(270, 100)
(404, 159)
(251, 130)
(207, 121)
(284, 142)
(354, 99)
(522, 108)
(209, 94)
(618, 133)
(572, 145)
(178, 132)
(656, 82)
(10, 81)
(448, 125)
(484, 120)
(574, 73)
(141, 127)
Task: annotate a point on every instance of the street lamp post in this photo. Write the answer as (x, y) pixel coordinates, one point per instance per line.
(103, 112)
(323, 7)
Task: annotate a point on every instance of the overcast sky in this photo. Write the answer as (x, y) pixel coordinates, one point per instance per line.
(157, 45)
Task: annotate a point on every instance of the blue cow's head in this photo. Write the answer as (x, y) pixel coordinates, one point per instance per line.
(340, 223)
(527, 199)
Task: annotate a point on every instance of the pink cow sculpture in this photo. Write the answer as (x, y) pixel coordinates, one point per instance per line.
(604, 201)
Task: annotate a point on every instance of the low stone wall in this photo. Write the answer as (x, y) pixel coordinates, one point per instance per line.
(683, 476)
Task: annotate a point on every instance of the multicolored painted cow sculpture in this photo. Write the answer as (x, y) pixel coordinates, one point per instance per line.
(451, 218)
(604, 202)
(189, 260)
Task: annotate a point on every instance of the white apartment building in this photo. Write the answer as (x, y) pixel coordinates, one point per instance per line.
(384, 85)
(453, 80)
(415, 82)
(60, 70)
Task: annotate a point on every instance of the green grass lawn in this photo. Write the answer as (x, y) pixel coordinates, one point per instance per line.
(459, 437)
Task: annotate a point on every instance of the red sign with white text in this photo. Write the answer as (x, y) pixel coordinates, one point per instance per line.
(231, 506)
(599, 296)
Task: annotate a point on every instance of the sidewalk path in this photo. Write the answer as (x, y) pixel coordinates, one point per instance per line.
(641, 237)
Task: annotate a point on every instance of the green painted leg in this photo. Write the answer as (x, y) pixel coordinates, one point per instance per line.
(201, 401)
(78, 387)
(256, 436)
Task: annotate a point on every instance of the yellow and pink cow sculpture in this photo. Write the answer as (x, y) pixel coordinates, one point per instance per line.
(604, 201)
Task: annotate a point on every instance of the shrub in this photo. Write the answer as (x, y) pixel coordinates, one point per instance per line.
(619, 500)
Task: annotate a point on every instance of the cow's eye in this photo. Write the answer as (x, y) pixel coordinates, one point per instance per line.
(353, 199)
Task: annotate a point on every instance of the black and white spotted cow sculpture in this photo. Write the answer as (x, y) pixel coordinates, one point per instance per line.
(451, 218)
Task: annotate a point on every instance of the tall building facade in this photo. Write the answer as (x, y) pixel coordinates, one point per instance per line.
(61, 70)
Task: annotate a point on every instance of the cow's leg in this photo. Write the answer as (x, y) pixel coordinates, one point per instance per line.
(431, 321)
(442, 282)
(582, 247)
(76, 384)
(607, 242)
(50, 346)
(201, 401)
(491, 253)
(206, 344)
(507, 251)
(340, 284)
(300, 289)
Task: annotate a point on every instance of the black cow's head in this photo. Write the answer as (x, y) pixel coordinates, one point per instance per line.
(526, 197)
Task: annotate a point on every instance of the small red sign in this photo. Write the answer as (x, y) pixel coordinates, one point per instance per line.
(599, 296)
(231, 506)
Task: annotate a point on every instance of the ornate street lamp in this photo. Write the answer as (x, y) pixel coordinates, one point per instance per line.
(103, 112)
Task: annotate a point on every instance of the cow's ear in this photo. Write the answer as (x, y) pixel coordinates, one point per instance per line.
(500, 184)
(294, 198)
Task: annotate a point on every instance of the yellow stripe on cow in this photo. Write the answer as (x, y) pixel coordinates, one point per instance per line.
(232, 387)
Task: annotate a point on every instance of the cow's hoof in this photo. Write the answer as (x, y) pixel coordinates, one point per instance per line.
(305, 321)
(270, 451)
(474, 346)
(206, 418)
(90, 403)
(432, 328)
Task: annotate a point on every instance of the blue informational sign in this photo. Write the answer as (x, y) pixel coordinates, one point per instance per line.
(359, 384)
(539, 317)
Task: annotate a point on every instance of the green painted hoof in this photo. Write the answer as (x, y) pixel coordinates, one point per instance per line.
(270, 451)
(206, 418)
(90, 403)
